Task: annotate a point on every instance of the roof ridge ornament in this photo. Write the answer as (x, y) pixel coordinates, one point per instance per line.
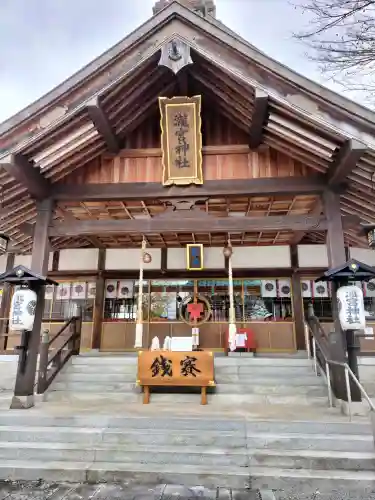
(175, 55)
(202, 7)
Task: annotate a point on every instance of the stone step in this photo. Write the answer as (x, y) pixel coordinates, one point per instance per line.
(125, 387)
(132, 474)
(322, 442)
(223, 399)
(313, 459)
(308, 481)
(130, 376)
(230, 439)
(124, 454)
(209, 422)
(260, 378)
(189, 455)
(220, 361)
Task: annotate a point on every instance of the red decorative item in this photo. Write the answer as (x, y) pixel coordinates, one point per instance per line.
(250, 342)
(195, 310)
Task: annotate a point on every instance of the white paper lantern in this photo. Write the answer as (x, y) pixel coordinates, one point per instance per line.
(22, 311)
(351, 308)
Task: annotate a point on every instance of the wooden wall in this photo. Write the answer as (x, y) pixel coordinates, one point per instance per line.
(225, 156)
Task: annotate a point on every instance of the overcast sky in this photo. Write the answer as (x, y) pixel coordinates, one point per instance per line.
(42, 42)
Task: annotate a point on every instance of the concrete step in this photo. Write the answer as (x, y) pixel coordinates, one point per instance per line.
(72, 375)
(267, 379)
(220, 361)
(204, 422)
(132, 474)
(142, 454)
(217, 399)
(241, 389)
(189, 455)
(227, 439)
(189, 475)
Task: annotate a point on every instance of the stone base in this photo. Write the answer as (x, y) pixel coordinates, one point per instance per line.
(22, 402)
(359, 409)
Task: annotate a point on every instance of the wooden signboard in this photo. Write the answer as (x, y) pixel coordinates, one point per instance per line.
(181, 140)
(174, 369)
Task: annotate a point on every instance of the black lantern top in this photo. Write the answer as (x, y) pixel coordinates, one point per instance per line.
(351, 270)
(21, 274)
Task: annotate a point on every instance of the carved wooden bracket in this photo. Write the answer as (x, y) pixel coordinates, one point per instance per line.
(175, 55)
(184, 207)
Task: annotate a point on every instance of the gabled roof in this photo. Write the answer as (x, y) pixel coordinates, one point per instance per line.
(63, 130)
(277, 78)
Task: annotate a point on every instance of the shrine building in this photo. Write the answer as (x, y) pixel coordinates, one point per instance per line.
(186, 163)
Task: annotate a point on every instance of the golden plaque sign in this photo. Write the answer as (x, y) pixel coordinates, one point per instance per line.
(181, 140)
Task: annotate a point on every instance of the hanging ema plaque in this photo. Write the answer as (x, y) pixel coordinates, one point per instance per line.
(181, 140)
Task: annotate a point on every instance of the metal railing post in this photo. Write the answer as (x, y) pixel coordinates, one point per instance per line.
(348, 392)
(307, 341)
(43, 362)
(314, 355)
(328, 374)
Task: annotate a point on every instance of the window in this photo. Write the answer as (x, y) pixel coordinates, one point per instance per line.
(320, 297)
(267, 299)
(167, 299)
(62, 302)
(121, 300)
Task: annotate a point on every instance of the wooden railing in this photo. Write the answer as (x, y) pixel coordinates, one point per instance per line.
(55, 352)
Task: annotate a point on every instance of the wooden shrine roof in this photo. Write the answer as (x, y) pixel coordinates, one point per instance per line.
(93, 112)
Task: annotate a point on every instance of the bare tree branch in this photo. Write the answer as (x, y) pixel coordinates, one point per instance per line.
(341, 38)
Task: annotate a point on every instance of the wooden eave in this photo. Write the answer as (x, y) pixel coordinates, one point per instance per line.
(228, 71)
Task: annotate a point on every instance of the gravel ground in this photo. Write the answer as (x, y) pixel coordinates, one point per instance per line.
(14, 490)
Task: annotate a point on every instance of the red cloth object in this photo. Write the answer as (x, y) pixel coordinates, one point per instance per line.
(250, 342)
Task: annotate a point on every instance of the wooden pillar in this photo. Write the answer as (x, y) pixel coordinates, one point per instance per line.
(25, 381)
(297, 302)
(336, 257)
(55, 260)
(99, 302)
(5, 303)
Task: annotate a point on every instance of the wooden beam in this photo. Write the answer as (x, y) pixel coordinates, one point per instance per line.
(70, 219)
(195, 224)
(299, 235)
(345, 162)
(259, 118)
(155, 190)
(102, 125)
(27, 175)
(28, 229)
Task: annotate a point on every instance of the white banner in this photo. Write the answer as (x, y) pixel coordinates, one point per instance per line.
(351, 308)
(91, 290)
(111, 289)
(63, 291)
(369, 288)
(48, 292)
(269, 288)
(125, 289)
(79, 290)
(22, 310)
(306, 288)
(320, 289)
(283, 288)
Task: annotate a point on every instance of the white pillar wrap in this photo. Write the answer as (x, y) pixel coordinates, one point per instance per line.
(232, 318)
(139, 326)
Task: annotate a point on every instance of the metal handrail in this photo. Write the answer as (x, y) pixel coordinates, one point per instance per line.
(328, 362)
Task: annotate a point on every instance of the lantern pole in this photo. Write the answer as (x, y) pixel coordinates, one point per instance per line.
(232, 321)
(139, 326)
